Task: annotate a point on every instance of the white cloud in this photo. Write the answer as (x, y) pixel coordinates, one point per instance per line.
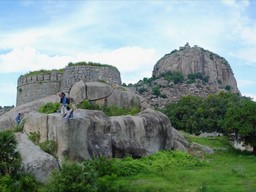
(126, 59)
(253, 96)
(28, 59)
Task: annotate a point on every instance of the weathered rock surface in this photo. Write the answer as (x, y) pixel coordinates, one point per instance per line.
(7, 120)
(198, 147)
(105, 94)
(179, 141)
(214, 75)
(148, 132)
(34, 160)
(87, 134)
(192, 60)
(92, 133)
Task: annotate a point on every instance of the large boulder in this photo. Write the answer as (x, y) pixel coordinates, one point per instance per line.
(85, 136)
(92, 133)
(34, 160)
(7, 120)
(78, 92)
(105, 94)
(179, 141)
(97, 90)
(148, 132)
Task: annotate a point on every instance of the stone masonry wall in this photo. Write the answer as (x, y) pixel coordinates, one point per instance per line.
(31, 88)
(89, 73)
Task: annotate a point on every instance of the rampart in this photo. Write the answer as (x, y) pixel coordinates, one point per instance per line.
(87, 73)
(31, 88)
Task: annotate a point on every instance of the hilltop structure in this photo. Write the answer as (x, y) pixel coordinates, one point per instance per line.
(33, 87)
(187, 71)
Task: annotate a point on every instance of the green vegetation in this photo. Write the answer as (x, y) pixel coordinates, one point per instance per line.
(225, 170)
(12, 179)
(194, 114)
(225, 113)
(10, 159)
(193, 76)
(49, 146)
(111, 110)
(241, 120)
(49, 108)
(82, 63)
(43, 72)
(176, 77)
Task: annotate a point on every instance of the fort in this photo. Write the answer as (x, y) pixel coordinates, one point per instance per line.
(33, 86)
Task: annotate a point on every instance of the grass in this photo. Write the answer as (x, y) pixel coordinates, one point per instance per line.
(224, 171)
(42, 72)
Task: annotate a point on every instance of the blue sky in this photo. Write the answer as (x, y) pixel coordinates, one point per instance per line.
(131, 35)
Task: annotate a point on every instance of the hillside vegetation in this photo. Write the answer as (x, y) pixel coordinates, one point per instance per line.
(224, 171)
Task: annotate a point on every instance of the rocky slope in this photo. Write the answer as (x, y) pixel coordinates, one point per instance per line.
(189, 70)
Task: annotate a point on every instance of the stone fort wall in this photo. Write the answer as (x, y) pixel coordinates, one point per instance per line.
(89, 73)
(31, 88)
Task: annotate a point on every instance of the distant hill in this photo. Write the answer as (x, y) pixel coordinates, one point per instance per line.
(189, 70)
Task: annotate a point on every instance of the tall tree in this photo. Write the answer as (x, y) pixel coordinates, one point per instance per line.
(241, 120)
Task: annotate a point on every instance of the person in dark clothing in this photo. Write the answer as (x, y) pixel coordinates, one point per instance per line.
(64, 103)
(18, 118)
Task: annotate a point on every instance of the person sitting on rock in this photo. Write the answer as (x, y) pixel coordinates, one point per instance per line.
(64, 103)
(68, 114)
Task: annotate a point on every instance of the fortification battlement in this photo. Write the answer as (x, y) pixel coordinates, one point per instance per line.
(33, 87)
(53, 76)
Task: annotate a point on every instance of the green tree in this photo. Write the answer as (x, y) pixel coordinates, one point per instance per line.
(186, 114)
(241, 120)
(10, 159)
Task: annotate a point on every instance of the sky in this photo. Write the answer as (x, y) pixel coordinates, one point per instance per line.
(131, 35)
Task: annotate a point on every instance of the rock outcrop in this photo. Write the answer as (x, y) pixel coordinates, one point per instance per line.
(193, 60)
(87, 134)
(92, 133)
(106, 95)
(7, 120)
(146, 133)
(99, 93)
(203, 72)
(34, 160)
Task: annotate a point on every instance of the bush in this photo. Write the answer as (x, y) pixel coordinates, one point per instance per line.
(49, 108)
(91, 175)
(156, 91)
(49, 146)
(142, 90)
(87, 105)
(34, 137)
(10, 159)
(111, 110)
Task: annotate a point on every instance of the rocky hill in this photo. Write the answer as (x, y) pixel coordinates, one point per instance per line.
(189, 70)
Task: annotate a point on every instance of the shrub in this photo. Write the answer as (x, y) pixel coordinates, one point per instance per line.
(49, 146)
(156, 91)
(142, 90)
(10, 159)
(49, 108)
(34, 137)
(228, 88)
(88, 105)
